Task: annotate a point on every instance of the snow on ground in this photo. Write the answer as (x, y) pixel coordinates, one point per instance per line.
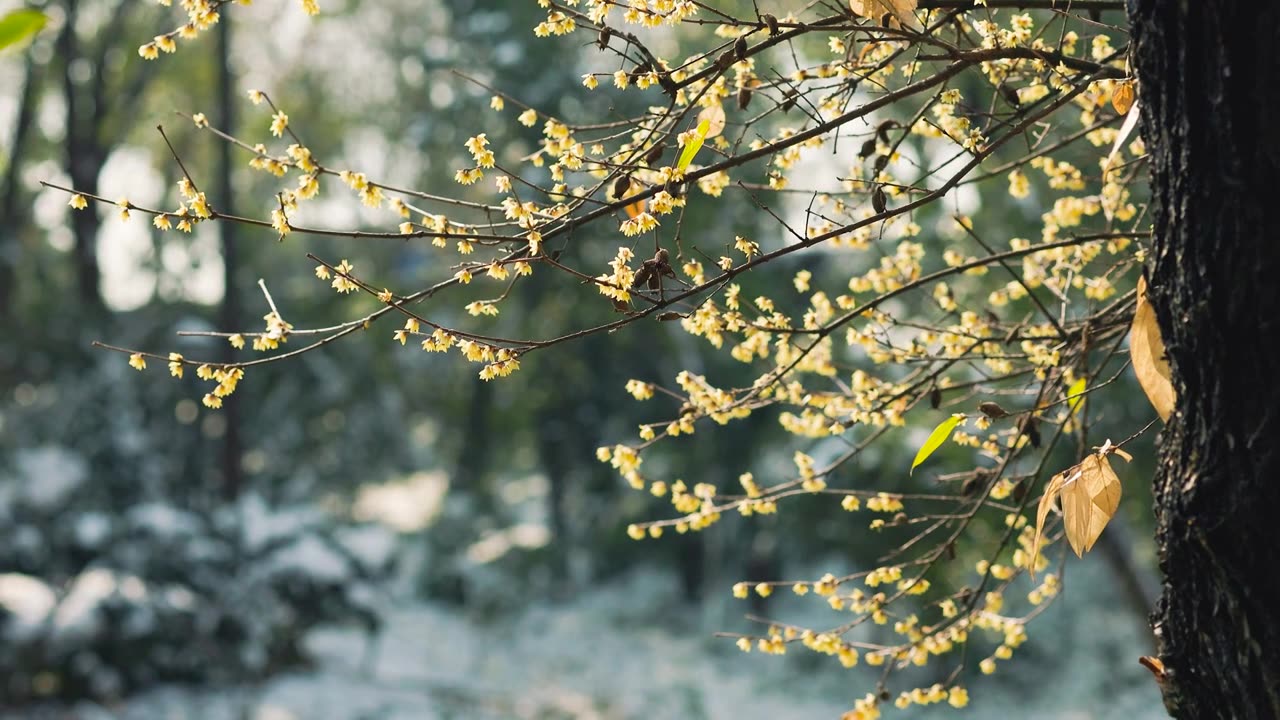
(627, 650)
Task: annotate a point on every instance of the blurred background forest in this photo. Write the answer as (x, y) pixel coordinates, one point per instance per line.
(366, 532)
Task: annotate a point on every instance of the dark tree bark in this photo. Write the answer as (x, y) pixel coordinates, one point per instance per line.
(1209, 93)
(84, 161)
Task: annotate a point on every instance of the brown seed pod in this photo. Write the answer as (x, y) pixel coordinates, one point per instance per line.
(882, 130)
(621, 186)
(740, 47)
(770, 22)
(868, 149)
(1011, 96)
(881, 162)
(1019, 491)
(652, 157)
(789, 100)
(992, 410)
(878, 202)
(744, 98)
(669, 316)
(935, 397)
(602, 40)
(1031, 428)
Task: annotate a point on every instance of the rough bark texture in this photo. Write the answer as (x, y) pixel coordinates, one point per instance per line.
(1209, 94)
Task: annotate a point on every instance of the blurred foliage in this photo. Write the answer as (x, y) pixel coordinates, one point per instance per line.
(375, 83)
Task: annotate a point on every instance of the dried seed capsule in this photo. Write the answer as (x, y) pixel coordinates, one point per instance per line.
(935, 397)
(868, 149)
(740, 47)
(770, 22)
(602, 40)
(652, 157)
(621, 186)
(789, 100)
(878, 202)
(744, 98)
(992, 410)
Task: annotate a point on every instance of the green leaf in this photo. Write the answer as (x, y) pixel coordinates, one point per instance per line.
(20, 25)
(936, 438)
(1075, 394)
(695, 143)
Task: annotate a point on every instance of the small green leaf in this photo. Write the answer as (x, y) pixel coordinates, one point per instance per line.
(695, 143)
(1075, 394)
(936, 438)
(20, 25)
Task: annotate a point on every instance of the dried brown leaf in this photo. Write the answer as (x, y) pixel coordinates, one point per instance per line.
(1090, 498)
(1042, 512)
(901, 10)
(1146, 349)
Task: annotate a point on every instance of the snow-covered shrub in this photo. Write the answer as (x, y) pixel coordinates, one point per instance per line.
(98, 603)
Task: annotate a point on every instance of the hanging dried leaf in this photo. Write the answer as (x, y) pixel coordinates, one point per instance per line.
(936, 438)
(1146, 349)
(1089, 502)
(714, 115)
(1123, 96)
(1130, 122)
(901, 11)
(1042, 512)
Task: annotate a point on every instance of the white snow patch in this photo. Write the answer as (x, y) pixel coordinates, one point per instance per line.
(28, 600)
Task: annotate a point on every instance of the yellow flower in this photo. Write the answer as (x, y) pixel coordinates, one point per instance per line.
(279, 122)
(137, 362)
(237, 341)
(78, 202)
(175, 364)
(149, 51)
(211, 401)
(528, 118)
(496, 103)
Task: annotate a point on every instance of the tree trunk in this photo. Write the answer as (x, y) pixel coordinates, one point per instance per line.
(1207, 72)
(229, 314)
(84, 161)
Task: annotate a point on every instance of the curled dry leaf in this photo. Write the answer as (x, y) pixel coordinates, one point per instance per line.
(902, 11)
(1090, 494)
(1042, 512)
(1089, 503)
(714, 115)
(1146, 349)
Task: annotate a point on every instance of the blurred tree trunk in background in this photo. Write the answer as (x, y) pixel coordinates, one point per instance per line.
(1208, 75)
(229, 314)
(84, 156)
(15, 213)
